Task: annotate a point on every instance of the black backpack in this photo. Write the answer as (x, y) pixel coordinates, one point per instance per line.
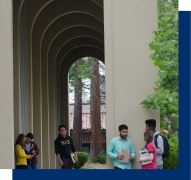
(165, 143)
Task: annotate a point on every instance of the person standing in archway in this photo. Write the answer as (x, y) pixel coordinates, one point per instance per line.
(31, 148)
(63, 148)
(20, 153)
(151, 125)
(118, 143)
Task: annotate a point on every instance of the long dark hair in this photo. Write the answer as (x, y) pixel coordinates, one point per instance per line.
(148, 137)
(20, 140)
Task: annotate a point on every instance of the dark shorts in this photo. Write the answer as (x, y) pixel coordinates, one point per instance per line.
(68, 163)
(21, 167)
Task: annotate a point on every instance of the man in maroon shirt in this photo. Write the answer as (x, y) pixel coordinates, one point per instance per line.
(30, 149)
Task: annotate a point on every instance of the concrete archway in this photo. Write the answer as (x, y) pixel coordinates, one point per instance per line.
(57, 33)
(48, 31)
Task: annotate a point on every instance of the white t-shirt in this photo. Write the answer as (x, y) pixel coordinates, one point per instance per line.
(28, 146)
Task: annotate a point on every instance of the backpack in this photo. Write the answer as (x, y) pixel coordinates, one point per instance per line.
(165, 143)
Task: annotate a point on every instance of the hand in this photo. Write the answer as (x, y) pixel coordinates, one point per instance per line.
(76, 160)
(120, 156)
(140, 160)
(33, 151)
(31, 156)
(61, 162)
(130, 158)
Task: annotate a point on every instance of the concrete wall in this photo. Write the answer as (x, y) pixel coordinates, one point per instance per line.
(130, 74)
(23, 62)
(6, 85)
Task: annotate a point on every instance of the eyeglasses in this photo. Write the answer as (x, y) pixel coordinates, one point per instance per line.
(62, 130)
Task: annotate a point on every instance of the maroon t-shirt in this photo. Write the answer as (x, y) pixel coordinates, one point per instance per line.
(151, 148)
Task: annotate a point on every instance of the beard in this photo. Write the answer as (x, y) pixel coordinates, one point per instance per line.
(122, 136)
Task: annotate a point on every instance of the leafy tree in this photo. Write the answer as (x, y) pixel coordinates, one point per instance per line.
(84, 76)
(165, 56)
(79, 70)
(84, 72)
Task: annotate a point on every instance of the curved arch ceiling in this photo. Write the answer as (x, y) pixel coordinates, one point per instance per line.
(79, 52)
(77, 42)
(70, 23)
(66, 34)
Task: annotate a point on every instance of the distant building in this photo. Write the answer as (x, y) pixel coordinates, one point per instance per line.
(86, 126)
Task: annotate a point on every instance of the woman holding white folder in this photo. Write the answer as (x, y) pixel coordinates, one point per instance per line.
(151, 148)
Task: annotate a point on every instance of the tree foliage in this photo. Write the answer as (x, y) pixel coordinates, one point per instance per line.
(165, 56)
(82, 69)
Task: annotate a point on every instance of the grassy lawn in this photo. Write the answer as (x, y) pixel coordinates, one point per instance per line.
(87, 167)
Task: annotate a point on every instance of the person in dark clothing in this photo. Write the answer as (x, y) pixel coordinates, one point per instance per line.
(63, 148)
(30, 149)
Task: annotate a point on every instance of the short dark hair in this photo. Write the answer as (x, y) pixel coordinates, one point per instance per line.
(61, 126)
(151, 123)
(29, 135)
(123, 126)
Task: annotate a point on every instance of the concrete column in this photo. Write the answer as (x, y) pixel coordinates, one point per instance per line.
(130, 74)
(16, 70)
(45, 115)
(16, 12)
(64, 103)
(6, 84)
(51, 96)
(37, 109)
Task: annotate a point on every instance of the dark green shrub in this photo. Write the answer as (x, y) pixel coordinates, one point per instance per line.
(172, 161)
(82, 159)
(101, 157)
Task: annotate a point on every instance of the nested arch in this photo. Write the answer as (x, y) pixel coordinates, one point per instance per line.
(99, 3)
(78, 52)
(74, 44)
(50, 48)
(53, 24)
(69, 33)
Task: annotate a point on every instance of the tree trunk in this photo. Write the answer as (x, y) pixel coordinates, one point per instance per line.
(77, 125)
(95, 112)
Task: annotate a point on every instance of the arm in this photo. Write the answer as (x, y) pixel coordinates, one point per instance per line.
(36, 149)
(72, 146)
(20, 153)
(132, 153)
(60, 160)
(109, 151)
(76, 157)
(160, 148)
(56, 145)
(58, 156)
(150, 150)
(74, 150)
(150, 158)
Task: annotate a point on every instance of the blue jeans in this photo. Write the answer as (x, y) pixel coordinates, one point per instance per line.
(32, 166)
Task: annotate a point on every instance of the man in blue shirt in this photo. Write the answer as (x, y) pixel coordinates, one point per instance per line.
(118, 143)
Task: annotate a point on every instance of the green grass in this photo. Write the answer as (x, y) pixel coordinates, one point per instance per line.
(87, 167)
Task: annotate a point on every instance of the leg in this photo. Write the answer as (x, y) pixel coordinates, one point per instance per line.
(70, 164)
(21, 167)
(29, 166)
(34, 165)
(65, 166)
(160, 166)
